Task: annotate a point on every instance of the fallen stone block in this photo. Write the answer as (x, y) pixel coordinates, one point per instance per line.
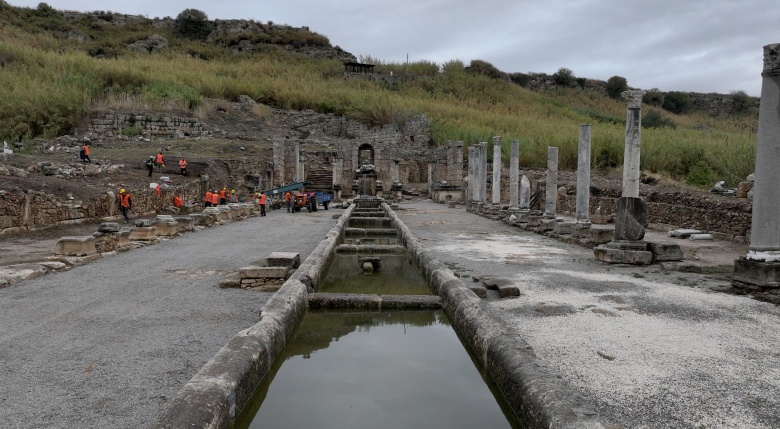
(683, 233)
(143, 233)
(663, 251)
(76, 246)
(479, 290)
(619, 256)
(263, 272)
(284, 259)
(700, 237)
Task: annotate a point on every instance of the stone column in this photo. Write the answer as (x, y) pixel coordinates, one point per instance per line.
(472, 178)
(338, 185)
(525, 193)
(765, 227)
(633, 143)
(496, 200)
(514, 173)
(482, 172)
(583, 176)
(396, 170)
(298, 172)
(551, 192)
(430, 179)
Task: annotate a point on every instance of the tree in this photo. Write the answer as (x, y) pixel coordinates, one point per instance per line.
(654, 97)
(677, 102)
(616, 85)
(564, 77)
(192, 24)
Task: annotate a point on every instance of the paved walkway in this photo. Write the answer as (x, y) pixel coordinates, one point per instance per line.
(108, 344)
(651, 347)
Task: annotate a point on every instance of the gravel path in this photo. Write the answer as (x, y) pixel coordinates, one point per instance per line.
(651, 348)
(108, 344)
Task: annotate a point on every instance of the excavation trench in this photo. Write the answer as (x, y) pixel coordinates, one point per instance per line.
(371, 331)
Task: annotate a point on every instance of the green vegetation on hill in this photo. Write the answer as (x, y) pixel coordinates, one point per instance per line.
(52, 80)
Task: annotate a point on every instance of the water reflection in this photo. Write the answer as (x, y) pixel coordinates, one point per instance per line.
(397, 275)
(375, 370)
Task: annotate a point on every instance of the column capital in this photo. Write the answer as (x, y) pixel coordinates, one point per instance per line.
(634, 98)
(771, 60)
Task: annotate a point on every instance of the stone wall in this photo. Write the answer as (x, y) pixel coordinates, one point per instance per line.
(114, 124)
(697, 210)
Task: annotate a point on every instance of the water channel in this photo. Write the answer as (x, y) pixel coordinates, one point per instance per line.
(398, 369)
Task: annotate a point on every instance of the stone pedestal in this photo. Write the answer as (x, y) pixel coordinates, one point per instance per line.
(75, 246)
(143, 233)
(624, 252)
(756, 276)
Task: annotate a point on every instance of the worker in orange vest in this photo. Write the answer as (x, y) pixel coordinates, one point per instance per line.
(223, 196)
(125, 204)
(288, 200)
(261, 202)
(160, 161)
(85, 150)
(183, 167)
(177, 202)
(214, 198)
(158, 190)
(207, 199)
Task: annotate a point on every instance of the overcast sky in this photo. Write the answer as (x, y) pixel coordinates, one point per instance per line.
(672, 45)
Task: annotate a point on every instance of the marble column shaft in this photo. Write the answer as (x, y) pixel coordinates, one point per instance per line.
(551, 193)
(472, 179)
(633, 144)
(582, 213)
(496, 197)
(482, 179)
(525, 193)
(514, 173)
(765, 229)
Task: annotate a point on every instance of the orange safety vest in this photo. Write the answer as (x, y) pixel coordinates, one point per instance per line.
(288, 197)
(223, 194)
(233, 198)
(215, 198)
(177, 201)
(86, 150)
(124, 200)
(157, 188)
(262, 199)
(159, 159)
(182, 164)
(208, 197)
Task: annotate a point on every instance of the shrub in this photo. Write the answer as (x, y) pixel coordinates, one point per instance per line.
(701, 174)
(653, 97)
(677, 102)
(616, 85)
(564, 77)
(485, 68)
(192, 24)
(741, 102)
(521, 79)
(654, 119)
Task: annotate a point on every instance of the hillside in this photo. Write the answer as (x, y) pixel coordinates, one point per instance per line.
(60, 67)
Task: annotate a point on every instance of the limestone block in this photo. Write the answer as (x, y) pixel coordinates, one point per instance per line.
(76, 246)
(563, 228)
(201, 219)
(263, 272)
(479, 290)
(108, 227)
(165, 228)
(601, 235)
(756, 273)
(284, 259)
(683, 233)
(620, 256)
(185, 223)
(143, 233)
(663, 251)
(143, 223)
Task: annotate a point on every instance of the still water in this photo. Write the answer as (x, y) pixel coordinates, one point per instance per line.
(397, 275)
(400, 369)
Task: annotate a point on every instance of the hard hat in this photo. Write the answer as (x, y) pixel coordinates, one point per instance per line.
(121, 191)
(233, 191)
(224, 188)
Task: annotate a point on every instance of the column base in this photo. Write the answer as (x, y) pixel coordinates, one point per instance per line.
(624, 252)
(756, 276)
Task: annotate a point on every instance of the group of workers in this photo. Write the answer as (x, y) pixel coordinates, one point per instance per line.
(221, 197)
(158, 161)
